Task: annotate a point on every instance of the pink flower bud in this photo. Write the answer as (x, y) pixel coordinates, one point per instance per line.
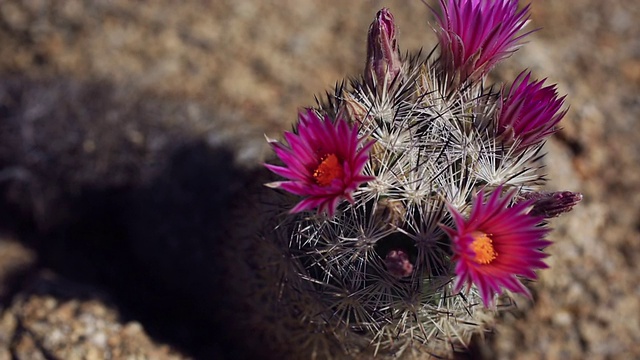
(552, 204)
(383, 56)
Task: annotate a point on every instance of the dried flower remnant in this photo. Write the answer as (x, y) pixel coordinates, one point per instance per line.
(323, 162)
(398, 264)
(528, 112)
(474, 35)
(496, 244)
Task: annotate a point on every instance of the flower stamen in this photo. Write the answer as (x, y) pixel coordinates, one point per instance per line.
(482, 246)
(329, 169)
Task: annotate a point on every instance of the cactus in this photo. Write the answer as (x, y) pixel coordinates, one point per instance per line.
(383, 243)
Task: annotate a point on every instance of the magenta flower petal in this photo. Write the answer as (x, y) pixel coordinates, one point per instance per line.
(322, 162)
(476, 34)
(529, 112)
(496, 245)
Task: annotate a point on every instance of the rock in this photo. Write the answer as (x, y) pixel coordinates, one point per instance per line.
(16, 262)
(55, 318)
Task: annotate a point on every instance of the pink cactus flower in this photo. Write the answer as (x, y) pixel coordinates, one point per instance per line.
(529, 112)
(496, 244)
(323, 162)
(476, 34)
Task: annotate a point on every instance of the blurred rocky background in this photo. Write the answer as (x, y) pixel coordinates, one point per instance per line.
(131, 131)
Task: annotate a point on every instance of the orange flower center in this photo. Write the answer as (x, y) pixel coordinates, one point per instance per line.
(328, 170)
(482, 245)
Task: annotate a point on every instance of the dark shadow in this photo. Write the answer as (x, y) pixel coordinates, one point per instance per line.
(97, 211)
(176, 229)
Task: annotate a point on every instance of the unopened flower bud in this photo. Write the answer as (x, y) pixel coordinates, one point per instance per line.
(552, 204)
(383, 55)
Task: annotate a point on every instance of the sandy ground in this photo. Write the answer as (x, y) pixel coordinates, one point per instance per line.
(118, 118)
